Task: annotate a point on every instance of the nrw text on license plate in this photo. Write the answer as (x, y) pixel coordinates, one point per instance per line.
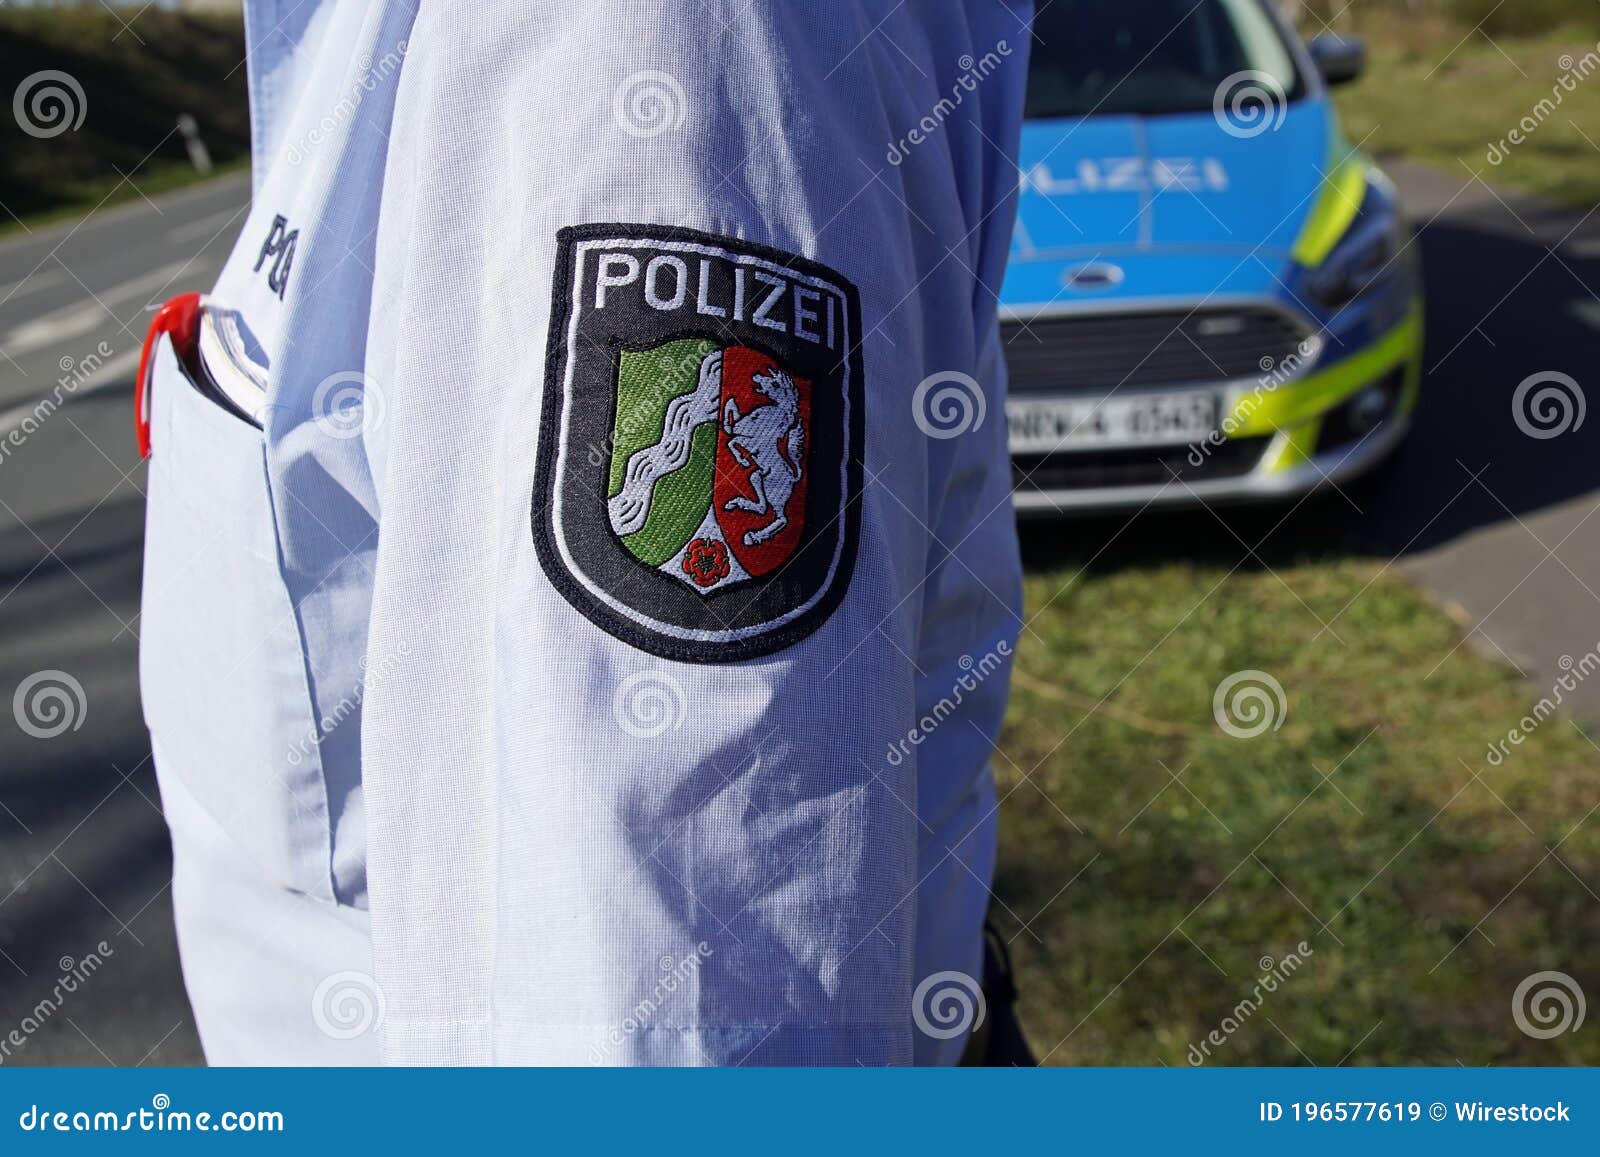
(1045, 425)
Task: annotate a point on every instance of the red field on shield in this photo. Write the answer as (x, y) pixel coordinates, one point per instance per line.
(763, 443)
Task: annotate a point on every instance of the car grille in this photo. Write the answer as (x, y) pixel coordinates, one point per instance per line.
(1085, 470)
(1103, 353)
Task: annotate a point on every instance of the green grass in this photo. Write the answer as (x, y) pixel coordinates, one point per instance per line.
(75, 200)
(134, 85)
(1439, 92)
(1149, 904)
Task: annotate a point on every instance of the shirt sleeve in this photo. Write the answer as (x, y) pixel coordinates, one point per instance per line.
(694, 596)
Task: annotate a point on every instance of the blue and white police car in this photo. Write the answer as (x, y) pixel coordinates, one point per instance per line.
(1212, 296)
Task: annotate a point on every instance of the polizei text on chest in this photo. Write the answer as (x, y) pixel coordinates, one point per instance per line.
(718, 289)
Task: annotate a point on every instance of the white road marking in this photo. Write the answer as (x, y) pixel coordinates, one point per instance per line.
(1587, 311)
(44, 279)
(230, 186)
(84, 317)
(207, 226)
(111, 374)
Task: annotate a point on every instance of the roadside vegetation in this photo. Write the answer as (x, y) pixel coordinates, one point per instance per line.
(1448, 90)
(1155, 868)
(132, 74)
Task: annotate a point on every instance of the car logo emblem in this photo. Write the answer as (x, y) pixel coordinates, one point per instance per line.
(1096, 276)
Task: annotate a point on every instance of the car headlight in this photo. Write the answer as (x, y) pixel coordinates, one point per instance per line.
(1370, 250)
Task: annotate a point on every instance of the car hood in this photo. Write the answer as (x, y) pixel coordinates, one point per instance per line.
(1181, 206)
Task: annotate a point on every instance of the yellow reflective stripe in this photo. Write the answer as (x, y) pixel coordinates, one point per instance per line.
(1330, 218)
(1413, 387)
(1293, 448)
(1266, 411)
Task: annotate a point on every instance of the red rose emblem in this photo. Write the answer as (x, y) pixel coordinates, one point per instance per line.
(706, 561)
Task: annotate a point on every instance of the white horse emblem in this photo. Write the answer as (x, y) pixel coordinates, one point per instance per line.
(769, 442)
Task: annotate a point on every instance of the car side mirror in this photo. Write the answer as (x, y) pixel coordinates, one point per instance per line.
(1340, 59)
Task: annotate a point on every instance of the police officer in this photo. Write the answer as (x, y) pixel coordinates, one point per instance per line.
(580, 578)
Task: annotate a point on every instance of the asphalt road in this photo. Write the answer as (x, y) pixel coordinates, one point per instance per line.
(83, 852)
(1499, 524)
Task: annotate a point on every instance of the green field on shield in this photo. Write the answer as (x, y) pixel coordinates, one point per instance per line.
(646, 383)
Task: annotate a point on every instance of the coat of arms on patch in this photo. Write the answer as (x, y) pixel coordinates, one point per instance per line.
(700, 460)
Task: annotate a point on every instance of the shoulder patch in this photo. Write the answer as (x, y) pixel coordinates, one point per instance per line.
(698, 487)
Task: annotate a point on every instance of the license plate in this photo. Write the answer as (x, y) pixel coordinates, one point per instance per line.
(1047, 426)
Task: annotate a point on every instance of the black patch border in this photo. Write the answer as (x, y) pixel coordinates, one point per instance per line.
(550, 422)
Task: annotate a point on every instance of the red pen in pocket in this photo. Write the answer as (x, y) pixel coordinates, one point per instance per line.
(180, 320)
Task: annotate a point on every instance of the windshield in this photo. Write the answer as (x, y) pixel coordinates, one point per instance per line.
(1150, 56)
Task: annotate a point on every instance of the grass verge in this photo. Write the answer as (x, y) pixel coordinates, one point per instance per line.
(1444, 93)
(97, 102)
(1155, 868)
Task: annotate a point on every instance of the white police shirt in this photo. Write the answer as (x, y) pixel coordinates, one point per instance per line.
(595, 655)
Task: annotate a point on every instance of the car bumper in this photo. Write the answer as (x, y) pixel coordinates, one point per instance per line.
(1282, 443)
(1331, 469)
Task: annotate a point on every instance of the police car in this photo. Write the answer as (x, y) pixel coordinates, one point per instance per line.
(1211, 295)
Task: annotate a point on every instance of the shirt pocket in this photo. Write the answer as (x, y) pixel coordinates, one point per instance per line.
(221, 666)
